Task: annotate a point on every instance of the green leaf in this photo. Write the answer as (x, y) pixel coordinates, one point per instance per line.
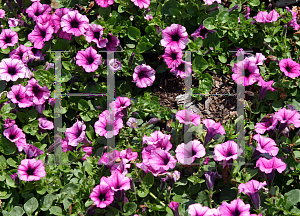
(143, 192)
(133, 33)
(292, 198)
(90, 132)
(206, 83)
(8, 147)
(2, 162)
(254, 3)
(104, 12)
(2, 85)
(175, 12)
(277, 105)
(16, 211)
(199, 42)
(209, 23)
(44, 77)
(223, 16)
(199, 64)
(62, 44)
(83, 105)
(144, 46)
(12, 163)
(222, 58)
(232, 21)
(88, 168)
(129, 208)
(67, 65)
(31, 205)
(7, 108)
(70, 189)
(148, 180)
(192, 9)
(202, 198)
(167, 5)
(296, 154)
(55, 210)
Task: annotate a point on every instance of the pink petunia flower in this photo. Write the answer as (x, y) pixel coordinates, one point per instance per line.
(258, 59)
(148, 17)
(236, 207)
(88, 59)
(251, 73)
(141, 3)
(74, 23)
(94, 34)
(187, 153)
(143, 76)
(8, 38)
(268, 123)
(269, 167)
(194, 117)
(210, 178)
(265, 86)
(175, 36)
(117, 181)
(213, 128)
(287, 117)
(174, 207)
(13, 133)
(293, 23)
(38, 36)
(128, 154)
(227, 151)
(32, 151)
(2, 13)
(45, 124)
(100, 125)
(113, 42)
(265, 145)
(38, 93)
(115, 65)
(210, 2)
(251, 188)
(37, 9)
(109, 159)
(290, 68)
(18, 95)
(105, 3)
(31, 170)
(56, 19)
(172, 57)
(184, 69)
(102, 194)
(21, 53)
(199, 210)
(159, 140)
(76, 133)
(9, 122)
(265, 17)
(132, 122)
(201, 32)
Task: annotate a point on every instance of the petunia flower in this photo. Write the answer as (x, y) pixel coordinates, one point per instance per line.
(56, 19)
(290, 68)
(148, 17)
(44, 21)
(194, 117)
(175, 36)
(94, 34)
(38, 93)
(13, 133)
(9, 122)
(172, 57)
(293, 23)
(269, 167)
(8, 38)
(210, 2)
(265, 86)
(251, 73)
(213, 128)
(100, 125)
(128, 154)
(113, 42)
(132, 122)
(76, 133)
(198, 210)
(20, 52)
(227, 151)
(17, 95)
(88, 59)
(159, 140)
(174, 207)
(141, 3)
(31, 170)
(2, 13)
(109, 158)
(45, 124)
(287, 117)
(236, 207)
(265, 17)
(32, 151)
(74, 23)
(104, 3)
(102, 194)
(37, 9)
(184, 69)
(117, 181)
(143, 76)
(38, 36)
(251, 188)
(210, 178)
(267, 123)
(115, 65)
(187, 153)
(258, 59)
(265, 145)
(202, 32)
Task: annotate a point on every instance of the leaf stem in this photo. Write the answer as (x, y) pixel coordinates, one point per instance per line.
(151, 194)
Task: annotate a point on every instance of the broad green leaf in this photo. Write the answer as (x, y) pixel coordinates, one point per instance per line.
(62, 44)
(199, 64)
(129, 208)
(17, 211)
(31, 205)
(2, 162)
(8, 147)
(254, 3)
(70, 189)
(134, 33)
(167, 5)
(206, 83)
(12, 163)
(7, 108)
(83, 105)
(148, 180)
(55, 210)
(209, 23)
(223, 16)
(222, 58)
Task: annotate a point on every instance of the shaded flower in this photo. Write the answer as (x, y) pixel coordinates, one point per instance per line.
(45, 124)
(265, 17)
(132, 122)
(13, 133)
(266, 145)
(235, 208)
(265, 86)
(115, 65)
(251, 73)
(21, 52)
(76, 133)
(251, 188)
(174, 207)
(9, 122)
(187, 153)
(213, 128)
(141, 3)
(198, 210)
(113, 42)
(174, 36)
(194, 117)
(38, 36)
(17, 95)
(172, 57)
(31, 170)
(38, 93)
(148, 17)
(94, 34)
(2, 13)
(100, 125)
(74, 23)
(32, 151)
(143, 76)
(202, 32)
(37, 9)
(184, 69)
(210, 178)
(102, 194)
(88, 59)
(104, 3)
(290, 68)
(8, 38)
(128, 154)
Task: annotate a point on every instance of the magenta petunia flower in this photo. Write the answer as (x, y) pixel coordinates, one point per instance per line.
(290, 68)
(201, 32)
(22, 53)
(117, 181)
(265, 17)
(128, 154)
(32, 151)
(258, 59)
(293, 23)
(198, 210)
(8, 38)
(174, 207)
(227, 151)
(213, 128)
(74, 23)
(102, 194)
(122, 103)
(44, 21)
(195, 118)
(265, 86)
(76, 133)
(132, 122)
(37, 9)
(38, 36)
(13, 133)
(113, 42)
(9, 122)
(45, 124)
(159, 140)
(269, 167)
(105, 3)
(287, 117)
(172, 57)
(210, 2)
(268, 123)
(94, 34)
(121, 167)
(100, 125)
(184, 69)
(265, 145)
(109, 159)
(88, 59)
(87, 149)
(56, 19)
(65, 146)
(251, 73)
(143, 76)
(38, 93)
(148, 17)
(2, 13)
(236, 207)
(31, 170)
(141, 3)
(210, 178)
(251, 188)
(18, 96)
(187, 153)
(174, 36)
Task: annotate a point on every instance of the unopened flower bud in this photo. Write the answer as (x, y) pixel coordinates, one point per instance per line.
(131, 59)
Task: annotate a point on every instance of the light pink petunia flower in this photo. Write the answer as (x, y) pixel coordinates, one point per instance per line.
(175, 36)
(265, 17)
(31, 170)
(141, 3)
(105, 3)
(45, 124)
(143, 76)
(194, 117)
(100, 125)
(8, 38)
(187, 153)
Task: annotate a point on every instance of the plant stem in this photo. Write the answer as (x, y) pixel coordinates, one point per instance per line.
(151, 194)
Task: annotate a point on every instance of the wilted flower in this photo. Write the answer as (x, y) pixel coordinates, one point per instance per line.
(202, 32)
(143, 76)
(31, 170)
(210, 178)
(32, 151)
(174, 36)
(187, 153)
(265, 86)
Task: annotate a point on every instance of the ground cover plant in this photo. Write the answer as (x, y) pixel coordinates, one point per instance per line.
(167, 160)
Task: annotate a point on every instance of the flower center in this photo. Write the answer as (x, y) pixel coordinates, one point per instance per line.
(181, 67)
(97, 35)
(37, 13)
(247, 73)
(142, 75)
(43, 34)
(166, 160)
(175, 37)
(12, 136)
(77, 134)
(36, 90)
(174, 56)
(102, 197)
(288, 68)
(18, 98)
(12, 70)
(193, 152)
(74, 24)
(229, 154)
(90, 60)
(7, 39)
(203, 31)
(236, 213)
(30, 171)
